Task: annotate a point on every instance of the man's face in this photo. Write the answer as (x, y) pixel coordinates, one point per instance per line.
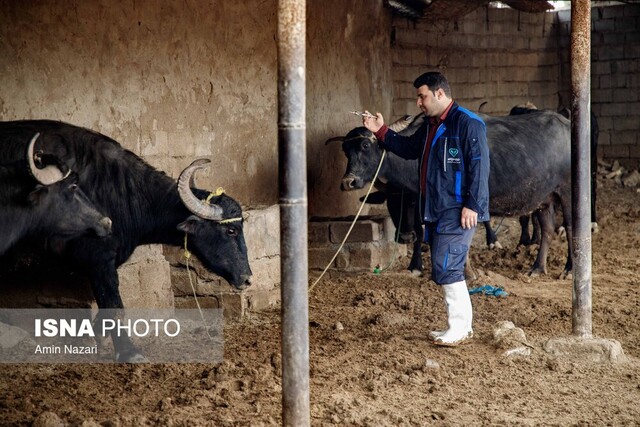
(428, 102)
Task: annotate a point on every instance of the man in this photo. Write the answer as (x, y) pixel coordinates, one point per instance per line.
(454, 184)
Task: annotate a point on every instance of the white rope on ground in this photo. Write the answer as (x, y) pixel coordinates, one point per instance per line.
(353, 223)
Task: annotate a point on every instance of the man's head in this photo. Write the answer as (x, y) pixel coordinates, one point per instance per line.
(433, 92)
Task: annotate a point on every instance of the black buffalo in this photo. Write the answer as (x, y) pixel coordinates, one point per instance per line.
(530, 169)
(527, 239)
(44, 202)
(146, 206)
(401, 200)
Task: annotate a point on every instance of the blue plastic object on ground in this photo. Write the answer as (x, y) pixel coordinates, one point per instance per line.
(489, 290)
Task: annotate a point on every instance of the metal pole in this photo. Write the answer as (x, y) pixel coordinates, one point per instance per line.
(580, 165)
(292, 171)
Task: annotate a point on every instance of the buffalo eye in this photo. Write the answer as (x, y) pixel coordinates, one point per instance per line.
(365, 145)
(73, 187)
(232, 231)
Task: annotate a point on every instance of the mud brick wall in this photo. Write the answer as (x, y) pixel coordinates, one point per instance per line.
(615, 81)
(175, 80)
(144, 283)
(370, 244)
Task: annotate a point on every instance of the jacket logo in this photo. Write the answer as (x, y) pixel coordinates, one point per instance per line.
(453, 152)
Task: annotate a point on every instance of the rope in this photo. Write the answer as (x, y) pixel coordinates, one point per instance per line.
(498, 227)
(353, 223)
(187, 256)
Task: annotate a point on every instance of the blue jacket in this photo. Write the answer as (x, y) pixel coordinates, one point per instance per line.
(458, 164)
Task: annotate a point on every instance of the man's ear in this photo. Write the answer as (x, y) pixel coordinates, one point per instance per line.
(37, 195)
(190, 225)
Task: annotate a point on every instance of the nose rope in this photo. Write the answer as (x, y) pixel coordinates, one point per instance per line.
(353, 223)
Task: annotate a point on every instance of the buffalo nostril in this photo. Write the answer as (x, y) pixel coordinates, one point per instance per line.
(105, 227)
(348, 183)
(106, 222)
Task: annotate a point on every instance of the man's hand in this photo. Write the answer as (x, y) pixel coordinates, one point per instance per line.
(373, 123)
(468, 218)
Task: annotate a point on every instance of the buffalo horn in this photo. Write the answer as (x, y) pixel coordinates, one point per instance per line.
(335, 138)
(196, 206)
(401, 124)
(48, 175)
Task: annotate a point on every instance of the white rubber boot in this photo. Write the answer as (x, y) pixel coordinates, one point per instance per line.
(459, 315)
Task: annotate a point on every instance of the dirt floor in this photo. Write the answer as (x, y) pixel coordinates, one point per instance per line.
(371, 362)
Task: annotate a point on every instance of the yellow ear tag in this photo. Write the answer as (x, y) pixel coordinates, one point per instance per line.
(219, 191)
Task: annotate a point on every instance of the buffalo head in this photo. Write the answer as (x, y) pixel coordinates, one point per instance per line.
(60, 206)
(363, 155)
(214, 232)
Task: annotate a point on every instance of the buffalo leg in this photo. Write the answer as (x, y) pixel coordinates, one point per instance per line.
(547, 231)
(413, 221)
(405, 216)
(492, 239)
(97, 258)
(565, 200)
(525, 239)
(535, 224)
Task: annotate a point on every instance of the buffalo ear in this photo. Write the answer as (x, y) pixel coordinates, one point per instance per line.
(190, 225)
(37, 195)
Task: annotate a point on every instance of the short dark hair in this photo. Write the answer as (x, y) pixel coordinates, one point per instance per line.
(434, 80)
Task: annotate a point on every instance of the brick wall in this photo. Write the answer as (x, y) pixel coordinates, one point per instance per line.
(499, 56)
(615, 85)
(370, 244)
(506, 57)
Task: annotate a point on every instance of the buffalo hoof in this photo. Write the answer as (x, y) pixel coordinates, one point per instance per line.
(536, 272)
(594, 227)
(566, 275)
(495, 245)
(561, 231)
(416, 273)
